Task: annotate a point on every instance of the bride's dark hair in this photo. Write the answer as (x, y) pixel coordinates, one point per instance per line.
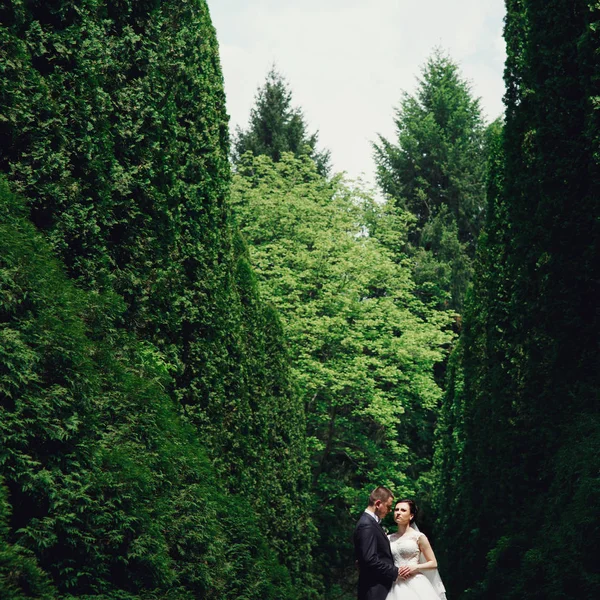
(414, 509)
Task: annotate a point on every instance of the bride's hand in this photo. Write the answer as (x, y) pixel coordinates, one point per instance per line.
(406, 571)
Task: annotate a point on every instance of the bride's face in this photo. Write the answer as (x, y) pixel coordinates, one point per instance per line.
(402, 513)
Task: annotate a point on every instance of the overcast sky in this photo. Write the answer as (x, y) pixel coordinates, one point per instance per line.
(348, 61)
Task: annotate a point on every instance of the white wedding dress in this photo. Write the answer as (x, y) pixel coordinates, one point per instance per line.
(422, 586)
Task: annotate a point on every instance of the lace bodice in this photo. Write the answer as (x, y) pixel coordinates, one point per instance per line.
(405, 549)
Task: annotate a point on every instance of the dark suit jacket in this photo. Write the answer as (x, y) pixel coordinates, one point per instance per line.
(376, 565)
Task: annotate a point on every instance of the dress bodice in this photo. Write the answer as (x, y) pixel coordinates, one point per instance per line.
(405, 549)
(424, 586)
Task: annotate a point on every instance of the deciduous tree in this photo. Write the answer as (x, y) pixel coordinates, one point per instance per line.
(363, 346)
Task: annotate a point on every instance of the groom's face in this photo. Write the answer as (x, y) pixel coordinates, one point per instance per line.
(383, 508)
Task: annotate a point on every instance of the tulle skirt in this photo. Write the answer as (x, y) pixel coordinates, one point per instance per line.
(415, 588)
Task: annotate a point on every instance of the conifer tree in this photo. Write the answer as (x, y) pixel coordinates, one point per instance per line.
(275, 127)
(88, 440)
(435, 169)
(518, 457)
(113, 128)
(20, 575)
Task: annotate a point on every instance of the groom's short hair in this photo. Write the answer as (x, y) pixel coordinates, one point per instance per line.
(380, 493)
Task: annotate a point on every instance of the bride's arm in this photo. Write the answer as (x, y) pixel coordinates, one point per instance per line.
(427, 552)
(428, 555)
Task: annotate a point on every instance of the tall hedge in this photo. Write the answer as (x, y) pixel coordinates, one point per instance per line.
(113, 128)
(108, 489)
(520, 417)
(19, 572)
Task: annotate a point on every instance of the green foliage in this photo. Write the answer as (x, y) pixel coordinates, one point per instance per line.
(111, 491)
(93, 453)
(436, 170)
(113, 128)
(276, 127)
(520, 432)
(20, 575)
(363, 347)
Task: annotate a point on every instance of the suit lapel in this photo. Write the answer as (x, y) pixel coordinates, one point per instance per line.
(382, 532)
(379, 528)
(375, 525)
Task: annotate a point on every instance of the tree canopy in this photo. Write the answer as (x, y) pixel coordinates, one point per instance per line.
(363, 347)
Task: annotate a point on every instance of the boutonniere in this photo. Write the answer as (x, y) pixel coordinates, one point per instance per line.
(385, 529)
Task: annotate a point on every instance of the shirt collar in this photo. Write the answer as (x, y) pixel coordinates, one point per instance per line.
(377, 519)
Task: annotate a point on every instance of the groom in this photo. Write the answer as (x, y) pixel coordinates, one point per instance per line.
(372, 548)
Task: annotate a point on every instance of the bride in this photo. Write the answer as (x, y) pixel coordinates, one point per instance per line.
(418, 577)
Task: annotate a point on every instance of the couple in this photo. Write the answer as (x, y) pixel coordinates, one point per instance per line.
(401, 566)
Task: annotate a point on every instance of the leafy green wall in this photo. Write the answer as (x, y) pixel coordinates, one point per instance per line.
(109, 489)
(113, 128)
(520, 427)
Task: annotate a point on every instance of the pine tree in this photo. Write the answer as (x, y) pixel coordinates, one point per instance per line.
(275, 127)
(435, 169)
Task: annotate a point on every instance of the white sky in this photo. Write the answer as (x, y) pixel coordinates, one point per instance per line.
(348, 61)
